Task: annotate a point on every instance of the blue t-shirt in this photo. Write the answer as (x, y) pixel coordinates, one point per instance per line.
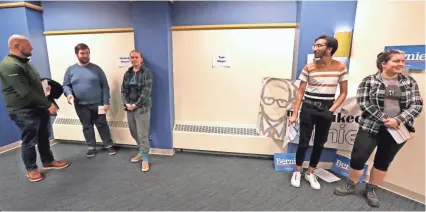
(88, 84)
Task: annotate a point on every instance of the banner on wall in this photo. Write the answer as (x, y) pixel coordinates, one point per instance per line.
(343, 129)
(276, 106)
(414, 56)
(276, 98)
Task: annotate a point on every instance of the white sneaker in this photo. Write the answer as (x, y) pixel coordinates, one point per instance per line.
(295, 179)
(313, 180)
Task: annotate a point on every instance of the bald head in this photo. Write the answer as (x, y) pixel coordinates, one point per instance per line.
(20, 46)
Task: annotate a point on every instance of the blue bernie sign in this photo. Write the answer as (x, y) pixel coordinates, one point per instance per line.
(341, 167)
(414, 56)
(285, 162)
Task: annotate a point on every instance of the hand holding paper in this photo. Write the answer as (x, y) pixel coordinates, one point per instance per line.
(46, 87)
(401, 134)
(106, 107)
(101, 110)
(392, 123)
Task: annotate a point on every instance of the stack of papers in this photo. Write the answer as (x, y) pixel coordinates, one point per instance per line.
(326, 175)
(400, 135)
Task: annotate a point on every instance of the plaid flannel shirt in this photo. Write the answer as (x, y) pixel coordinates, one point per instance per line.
(144, 88)
(370, 97)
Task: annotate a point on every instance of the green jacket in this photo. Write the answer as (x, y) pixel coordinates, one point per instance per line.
(21, 85)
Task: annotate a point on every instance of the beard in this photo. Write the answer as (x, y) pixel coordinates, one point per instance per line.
(319, 54)
(84, 60)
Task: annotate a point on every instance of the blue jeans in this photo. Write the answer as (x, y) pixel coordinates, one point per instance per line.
(34, 127)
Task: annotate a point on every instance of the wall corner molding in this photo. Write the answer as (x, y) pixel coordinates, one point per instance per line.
(21, 4)
(88, 31)
(235, 26)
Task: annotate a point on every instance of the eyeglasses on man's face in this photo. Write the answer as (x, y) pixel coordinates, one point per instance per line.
(317, 46)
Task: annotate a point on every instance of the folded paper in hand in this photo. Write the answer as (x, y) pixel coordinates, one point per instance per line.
(101, 110)
(400, 135)
(45, 85)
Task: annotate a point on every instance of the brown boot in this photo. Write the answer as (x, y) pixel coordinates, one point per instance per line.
(34, 175)
(136, 159)
(145, 166)
(56, 165)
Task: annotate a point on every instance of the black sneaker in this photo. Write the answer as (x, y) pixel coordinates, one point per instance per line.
(345, 189)
(111, 151)
(91, 153)
(371, 196)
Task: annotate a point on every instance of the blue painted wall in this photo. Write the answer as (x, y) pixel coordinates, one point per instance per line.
(8, 131)
(38, 41)
(151, 22)
(170, 60)
(233, 12)
(322, 17)
(71, 15)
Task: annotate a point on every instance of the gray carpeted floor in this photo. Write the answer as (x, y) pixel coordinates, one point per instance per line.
(185, 181)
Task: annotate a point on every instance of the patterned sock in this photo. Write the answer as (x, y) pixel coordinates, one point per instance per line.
(145, 158)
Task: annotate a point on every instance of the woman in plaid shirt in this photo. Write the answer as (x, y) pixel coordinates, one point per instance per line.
(136, 92)
(387, 99)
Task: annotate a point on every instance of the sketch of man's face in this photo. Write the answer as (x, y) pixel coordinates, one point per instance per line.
(276, 98)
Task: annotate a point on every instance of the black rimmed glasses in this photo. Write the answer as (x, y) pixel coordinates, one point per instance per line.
(317, 46)
(270, 100)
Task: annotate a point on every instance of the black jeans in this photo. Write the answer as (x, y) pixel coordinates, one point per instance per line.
(313, 116)
(365, 143)
(34, 127)
(88, 115)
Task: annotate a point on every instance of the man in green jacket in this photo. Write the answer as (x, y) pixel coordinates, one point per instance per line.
(28, 106)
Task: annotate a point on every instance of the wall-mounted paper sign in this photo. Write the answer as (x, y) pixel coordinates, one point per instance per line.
(124, 61)
(222, 60)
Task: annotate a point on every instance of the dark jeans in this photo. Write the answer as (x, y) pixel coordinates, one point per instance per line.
(313, 116)
(88, 115)
(34, 125)
(365, 143)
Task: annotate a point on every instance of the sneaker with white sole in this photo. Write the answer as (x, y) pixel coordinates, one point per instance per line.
(295, 179)
(313, 180)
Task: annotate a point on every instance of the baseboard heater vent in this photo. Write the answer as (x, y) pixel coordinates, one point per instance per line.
(193, 128)
(71, 121)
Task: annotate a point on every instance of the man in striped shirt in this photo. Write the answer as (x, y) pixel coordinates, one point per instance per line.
(318, 84)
